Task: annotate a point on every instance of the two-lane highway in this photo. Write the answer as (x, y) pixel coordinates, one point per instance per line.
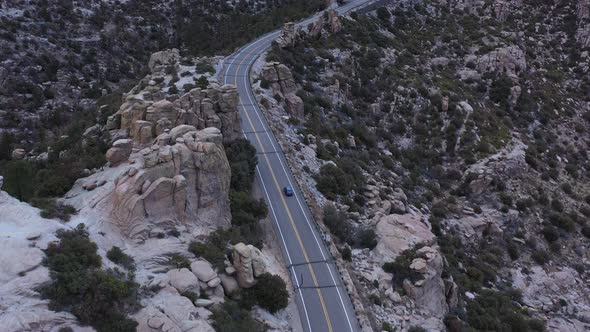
(322, 300)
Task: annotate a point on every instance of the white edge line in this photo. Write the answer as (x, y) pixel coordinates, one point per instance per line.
(313, 232)
(273, 212)
(257, 110)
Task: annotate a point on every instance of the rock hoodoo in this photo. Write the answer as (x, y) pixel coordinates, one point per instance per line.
(283, 85)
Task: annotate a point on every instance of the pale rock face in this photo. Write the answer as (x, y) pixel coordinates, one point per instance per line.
(510, 60)
(185, 183)
(396, 233)
(283, 84)
(184, 280)
(249, 263)
(168, 311)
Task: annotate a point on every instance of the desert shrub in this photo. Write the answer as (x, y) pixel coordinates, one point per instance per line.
(178, 261)
(366, 238)
(500, 90)
(416, 329)
(96, 297)
(562, 221)
(337, 223)
(51, 209)
(18, 179)
(230, 317)
(497, 311)
(117, 256)
(242, 159)
(347, 253)
(215, 248)
(270, 293)
(204, 67)
(541, 257)
(550, 233)
(245, 209)
(332, 181)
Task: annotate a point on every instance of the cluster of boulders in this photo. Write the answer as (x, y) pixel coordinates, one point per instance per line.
(186, 294)
(143, 121)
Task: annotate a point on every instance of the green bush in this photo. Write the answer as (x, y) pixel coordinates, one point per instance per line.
(230, 317)
(117, 256)
(96, 297)
(18, 179)
(51, 209)
(496, 311)
(245, 209)
(337, 223)
(242, 159)
(270, 293)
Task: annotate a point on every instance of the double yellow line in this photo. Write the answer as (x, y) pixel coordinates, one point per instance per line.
(278, 187)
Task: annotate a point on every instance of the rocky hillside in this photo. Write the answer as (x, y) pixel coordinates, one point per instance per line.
(446, 143)
(58, 57)
(164, 235)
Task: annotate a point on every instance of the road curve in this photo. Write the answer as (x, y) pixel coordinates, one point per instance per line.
(322, 300)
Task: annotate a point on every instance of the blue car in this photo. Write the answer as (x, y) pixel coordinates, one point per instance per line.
(288, 191)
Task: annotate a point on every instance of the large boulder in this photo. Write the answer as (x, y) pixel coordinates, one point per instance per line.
(120, 151)
(229, 283)
(184, 280)
(203, 270)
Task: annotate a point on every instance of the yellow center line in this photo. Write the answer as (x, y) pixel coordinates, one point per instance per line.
(292, 221)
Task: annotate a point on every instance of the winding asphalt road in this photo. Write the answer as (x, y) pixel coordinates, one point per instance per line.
(322, 299)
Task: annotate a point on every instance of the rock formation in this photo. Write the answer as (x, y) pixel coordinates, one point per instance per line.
(163, 58)
(510, 60)
(120, 151)
(327, 23)
(249, 263)
(182, 178)
(429, 291)
(289, 35)
(283, 85)
(396, 233)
